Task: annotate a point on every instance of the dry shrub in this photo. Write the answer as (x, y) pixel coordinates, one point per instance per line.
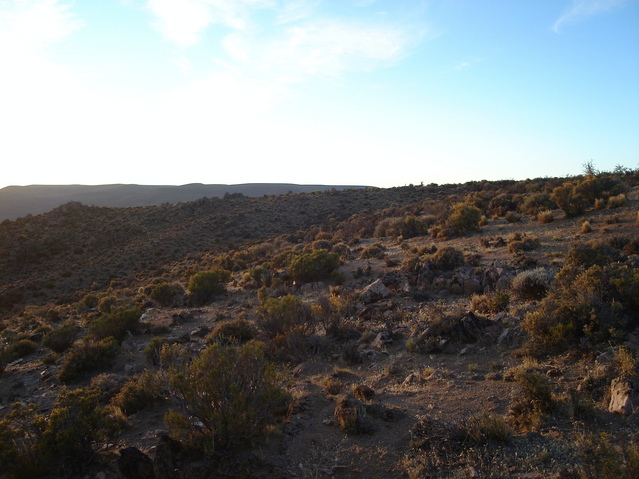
(494, 302)
(529, 408)
(586, 227)
(86, 356)
(236, 331)
(617, 201)
(545, 217)
(139, 393)
(376, 250)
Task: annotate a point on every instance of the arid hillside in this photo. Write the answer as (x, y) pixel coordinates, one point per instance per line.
(489, 329)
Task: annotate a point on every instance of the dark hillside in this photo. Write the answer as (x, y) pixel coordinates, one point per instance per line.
(17, 201)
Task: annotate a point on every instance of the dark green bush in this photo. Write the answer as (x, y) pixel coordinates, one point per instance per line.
(116, 323)
(232, 391)
(19, 349)
(536, 203)
(166, 294)
(412, 227)
(235, 331)
(61, 339)
(86, 356)
(281, 316)
(138, 393)
(204, 286)
(315, 266)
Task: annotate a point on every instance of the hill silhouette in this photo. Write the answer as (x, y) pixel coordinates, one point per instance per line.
(17, 201)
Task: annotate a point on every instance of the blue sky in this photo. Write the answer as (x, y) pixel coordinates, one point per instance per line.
(367, 92)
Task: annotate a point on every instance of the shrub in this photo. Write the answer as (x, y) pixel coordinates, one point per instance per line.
(597, 305)
(74, 429)
(138, 393)
(204, 286)
(464, 217)
(537, 203)
(315, 266)
(235, 331)
(532, 284)
(446, 258)
(617, 201)
(166, 294)
(411, 227)
(529, 408)
(19, 349)
(481, 429)
(232, 391)
(61, 339)
(585, 227)
(490, 303)
(86, 356)
(375, 250)
(153, 349)
(116, 323)
(512, 217)
(568, 200)
(281, 316)
(545, 216)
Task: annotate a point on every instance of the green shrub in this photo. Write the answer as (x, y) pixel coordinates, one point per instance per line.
(315, 266)
(86, 356)
(138, 393)
(598, 304)
(235, 331)
(76, 427)
(411, 227)
(536, 203)
(166, 294)
(204, 286)
(232, 391)
(116, 323)
(61, 339)
(281, 316)
(19, 349)
(464, 217)
(529, 408)
(153, 349)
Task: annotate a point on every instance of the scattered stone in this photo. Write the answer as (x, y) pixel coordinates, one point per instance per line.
(436, 374)
(201, 332)
(477, 377)
(494, 376)
(412, 378)
(624, 396)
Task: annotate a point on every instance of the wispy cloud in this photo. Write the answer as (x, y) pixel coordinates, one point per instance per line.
(583, 9)
(30, 25)
(289, 39)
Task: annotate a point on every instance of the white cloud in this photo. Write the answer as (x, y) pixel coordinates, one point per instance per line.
(31, 25)
(582, 9)
(328, 48)
(288, 39)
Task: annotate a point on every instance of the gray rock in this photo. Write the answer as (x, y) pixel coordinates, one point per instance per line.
(624, 396)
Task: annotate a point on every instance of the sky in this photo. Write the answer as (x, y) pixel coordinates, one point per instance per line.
(337, 92)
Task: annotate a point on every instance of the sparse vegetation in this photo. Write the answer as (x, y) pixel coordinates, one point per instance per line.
(263, 314)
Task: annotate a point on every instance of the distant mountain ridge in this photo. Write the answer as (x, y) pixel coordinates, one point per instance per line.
(18, 201)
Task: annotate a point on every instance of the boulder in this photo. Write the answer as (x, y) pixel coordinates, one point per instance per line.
(134, 464)
(375, 291)
(624, 396)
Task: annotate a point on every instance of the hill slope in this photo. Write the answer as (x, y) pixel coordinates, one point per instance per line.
(17, 201)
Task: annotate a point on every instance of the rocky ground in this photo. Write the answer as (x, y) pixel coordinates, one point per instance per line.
(416, 406)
